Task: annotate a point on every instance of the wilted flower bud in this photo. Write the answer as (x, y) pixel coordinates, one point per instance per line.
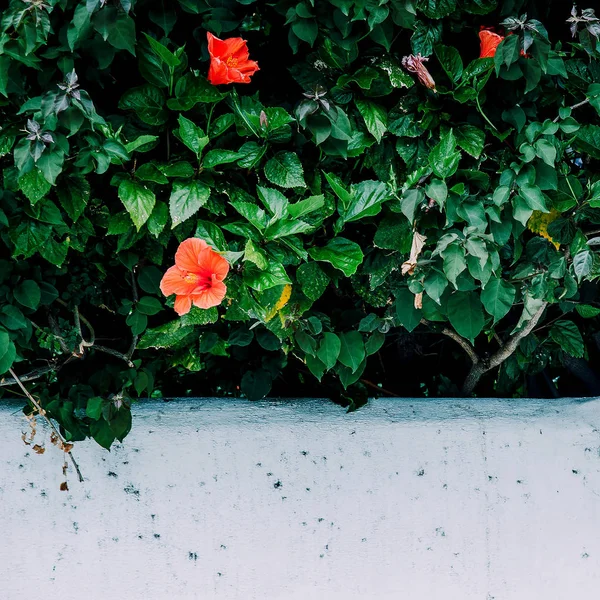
(414, 64)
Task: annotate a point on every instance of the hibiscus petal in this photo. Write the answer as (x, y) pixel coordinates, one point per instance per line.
(237, 48)
(489, 43)
(216, 47)
(188, 254)
(218, 72)
(173, 282)
(213, 264)
(212, 296)
(182, 305)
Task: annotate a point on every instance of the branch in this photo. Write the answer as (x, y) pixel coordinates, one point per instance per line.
(477, 370)
(35, 374)
(582, 103)
(135, 338)
(42, 412)
(115, 353)
(464, 344)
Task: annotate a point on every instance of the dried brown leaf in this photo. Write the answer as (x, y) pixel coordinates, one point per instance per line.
(418, 242)
(39, 449)
(64, 487)
(419, 300)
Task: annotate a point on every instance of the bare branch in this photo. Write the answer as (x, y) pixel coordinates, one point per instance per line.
(114, 353)
(135, 338)
(464, 344)
(42, 413)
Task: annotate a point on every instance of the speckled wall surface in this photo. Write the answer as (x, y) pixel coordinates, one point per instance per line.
(405, 499)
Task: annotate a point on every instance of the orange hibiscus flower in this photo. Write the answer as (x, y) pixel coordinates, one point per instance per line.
(196, 278)
(229, 61)
(489, 42)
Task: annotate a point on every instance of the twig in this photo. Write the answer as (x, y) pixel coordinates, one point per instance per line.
(135, 338)
(114, 353)
(582, 103)
(42, 412)
(379, 389)
(35, 374)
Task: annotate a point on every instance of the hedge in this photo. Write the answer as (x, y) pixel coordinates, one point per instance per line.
(337, 198)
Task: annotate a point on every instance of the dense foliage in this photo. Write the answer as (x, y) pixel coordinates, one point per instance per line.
(417, 227)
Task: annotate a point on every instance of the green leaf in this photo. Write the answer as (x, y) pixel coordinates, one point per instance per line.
(187, 197)
(256, 384)
(211, 234)
(34, 185)
(568, 337)
(12, 317)
(148, 102)
(450, 60)
(546, 151)
(214, 158)
(274, 201)
(465, 314)
(374, 343)
(191, 90)
(534, 197)
(588, 140)
(583, 263)
(271, 277)
(329, 349)
(411, 199)
(149, 279)
(365, 200)
(471, 139)
(444, 157)
(454, 262)
(438, 190)
(498, 298)
(164, 336)
(28, 294)
(285, 170)
(352, 350)
(137, 321)
(149, 305)
(8, 351)
(585, 310)
(406, 313)
(138, 200)
(94, 407)
(593, 95)
(162, 52)
(102, 433)
(313, 281)
(435, 284)
(192, 135)
(343, 254)
(375, 117)
(507, 52)
(307, 343)
(199, 316)
(305, 207)
(393, 233)
(73, 196)
(436, 9)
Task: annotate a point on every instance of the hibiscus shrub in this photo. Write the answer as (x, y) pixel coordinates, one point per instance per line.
(370, 196)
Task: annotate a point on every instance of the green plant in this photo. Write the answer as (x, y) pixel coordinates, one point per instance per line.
(429, 228)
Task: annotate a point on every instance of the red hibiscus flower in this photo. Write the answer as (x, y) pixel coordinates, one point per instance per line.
(489, 42)
(229, 61)
(196, 278)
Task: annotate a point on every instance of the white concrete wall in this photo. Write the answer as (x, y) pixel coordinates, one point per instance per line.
(224, 499)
